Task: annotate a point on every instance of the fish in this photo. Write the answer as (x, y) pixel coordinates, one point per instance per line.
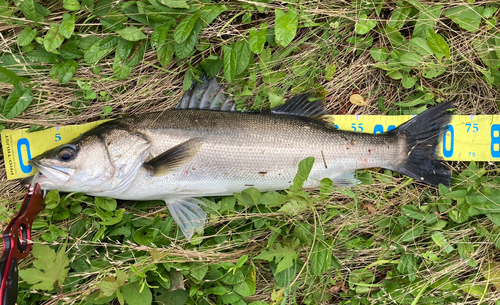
(204, 147)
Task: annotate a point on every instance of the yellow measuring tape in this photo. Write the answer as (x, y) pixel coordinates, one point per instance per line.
(468, 138)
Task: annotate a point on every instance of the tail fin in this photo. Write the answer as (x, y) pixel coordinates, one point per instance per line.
(423, 135)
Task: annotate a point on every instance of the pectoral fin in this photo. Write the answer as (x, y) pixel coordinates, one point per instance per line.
(188, 215)
(174, 157)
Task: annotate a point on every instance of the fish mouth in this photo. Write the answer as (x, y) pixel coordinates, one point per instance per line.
(55, 174)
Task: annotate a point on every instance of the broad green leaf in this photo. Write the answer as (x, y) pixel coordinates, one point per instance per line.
(305, 167)
(285, 26)
(120, 68)
(136, 294)
(442, 242)
(438, 45)
(182, 50)
(29, 11)
(159, 35)
(48, 268)
(364, 25)
(53, 39)
(9, 77)
(17, 102)
(212, 65)
(395, 37)
(188, 80)
(426, 19)
(229, 61)
(411, 234)
(420, 46)
(107, 204)
(257, 39)
(284, 256)
(67, 25)
(94, 53)
(379, 54)
(175, 3)
(408, 265)
(411, 60)
(71, 5)
(399, 17)
(248, 286)
(321, 258)
(408, 81)
(185, 27)
(243, 53)
(165, 54)
(198, 270)
(275, 100)
(67, 71)
(467, 17)
(26, 36)
(131, 33)
(211, 11)
(272, 199)
(109, 42)
(330, 71)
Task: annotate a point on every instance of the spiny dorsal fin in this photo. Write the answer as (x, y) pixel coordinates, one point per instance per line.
(300, 106)
(207, 96)
(174, 157)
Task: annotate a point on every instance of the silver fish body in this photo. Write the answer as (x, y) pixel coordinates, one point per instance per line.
(180, 154)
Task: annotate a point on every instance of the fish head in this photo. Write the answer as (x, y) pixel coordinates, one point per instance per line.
(78, 166)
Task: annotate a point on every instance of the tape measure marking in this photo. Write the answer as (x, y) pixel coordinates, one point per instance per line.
(467, 138)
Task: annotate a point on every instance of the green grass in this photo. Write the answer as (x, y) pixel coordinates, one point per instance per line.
(389, 241)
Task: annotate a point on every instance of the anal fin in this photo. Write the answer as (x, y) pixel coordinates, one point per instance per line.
(347, 179)
(188, 215)
(174, 157)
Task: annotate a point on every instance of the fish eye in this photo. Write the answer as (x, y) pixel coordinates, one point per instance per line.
(66, 153)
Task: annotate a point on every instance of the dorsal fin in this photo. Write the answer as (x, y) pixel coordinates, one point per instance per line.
(300, 106)
(207, 96)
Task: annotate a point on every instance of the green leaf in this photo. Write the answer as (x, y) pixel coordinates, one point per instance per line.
(491, 272)
(53, 39)
(364, 25)
(442, 242)
(48, 268)
(185, 27)
(411, 60)
(182, 50)
(120, 68)
(283, 256)
(420, 46)
(159, 35)
(438, 45)
(107, 204)
(9, 77)
(29, 11)
(248, 286)
(305, 167)
(275, 100)
(467, 17)
(379, 54)
(165, 54)
(67, 71)
(330, 71)
(17, 102)
(211, 11)
(272, 199)
(94, 53)
(243, 53)
(131, 33)
(212, 65)
(198, 270)
(136, 294)
(257, 39)
(426, 19)
(67, 25)
(229, 62)
(188, 80)
(144, 236)
(408, 81)
(411, 234)
(395, 37)
(408, 266)
(26, 36)
(321, 258)
(285, 26)
(175, 3)
(399, 17)
(71, 5)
